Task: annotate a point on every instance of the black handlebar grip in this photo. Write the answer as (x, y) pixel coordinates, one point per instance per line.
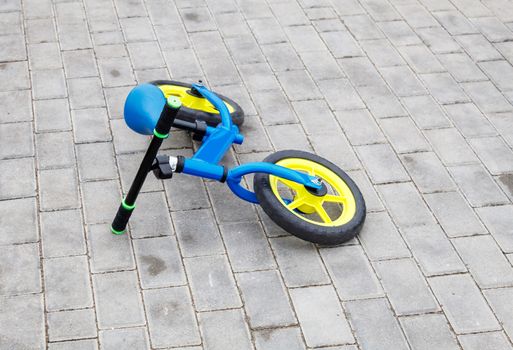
(121, 219)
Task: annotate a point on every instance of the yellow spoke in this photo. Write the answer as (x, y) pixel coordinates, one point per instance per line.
(297, 202)
(333, 198)
(322, 213)
(291, 184)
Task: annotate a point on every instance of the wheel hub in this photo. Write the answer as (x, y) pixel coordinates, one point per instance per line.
(318, 192)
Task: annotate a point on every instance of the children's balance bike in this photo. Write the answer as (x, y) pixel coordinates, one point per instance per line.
(303, 193)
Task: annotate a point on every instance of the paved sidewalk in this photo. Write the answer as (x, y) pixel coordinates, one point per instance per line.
(412, 97)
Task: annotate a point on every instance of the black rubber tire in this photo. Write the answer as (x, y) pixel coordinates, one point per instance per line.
(292, 223)
(191, 115)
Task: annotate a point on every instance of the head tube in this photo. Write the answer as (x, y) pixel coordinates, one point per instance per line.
(217, 103)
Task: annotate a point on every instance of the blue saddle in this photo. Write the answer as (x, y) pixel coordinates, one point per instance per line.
(143, 106)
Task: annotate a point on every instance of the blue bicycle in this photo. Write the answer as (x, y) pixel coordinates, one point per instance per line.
(303, 193)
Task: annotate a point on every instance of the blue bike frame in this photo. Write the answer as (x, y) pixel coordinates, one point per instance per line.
(217, 141)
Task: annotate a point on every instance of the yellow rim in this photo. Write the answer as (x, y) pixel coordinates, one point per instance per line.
(190, 101)
(315, 209)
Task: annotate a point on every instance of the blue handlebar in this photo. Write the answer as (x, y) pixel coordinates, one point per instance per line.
(219, 104)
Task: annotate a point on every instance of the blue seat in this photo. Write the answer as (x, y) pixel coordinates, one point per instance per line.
(143, 106)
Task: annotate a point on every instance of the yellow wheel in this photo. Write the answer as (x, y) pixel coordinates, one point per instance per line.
(331, 215)
(195, 107)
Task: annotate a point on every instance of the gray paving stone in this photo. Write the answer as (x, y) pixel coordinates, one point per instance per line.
(16, 105)
(14, 140)
(62, 233)
(388, 244)
(438, 40)
(352, 274)
(500, 302)
(289, 14)
(273, 107)
(177, 328)
(306, 38)
(197, 19)
(267, 30)
(100, 209)
(96, 161)
(427, 172)
(40, 30)
(14, 76)
(258, 77)
(212, 283)
(299, 262)
(500, 72)
(85, 344)
(223, 329)
(316, 117)
(334, 146)
(145, 55)
(454, 214)
(74, 324)
(197, 233)
(405, 286)
(24, 322)
(486, 96)
(67, 284)
(444, 89)
(399, 33)
(416, 15)
(372, 201)
(341, 44)
(461, 67)
(426, 113)
(494, 153)
(487, 193)
(321, 328)
(227, 208)
(478, 47)
(48, 83)
(498, 221)
(159, 262)
(381, 102)
(17, 178)
(402, 81)
(492, 340)
(55, 150)
(382, 53)
(360, 71)
(381, 163)
(420, 58)
(469, 120)
(486, 262)
(433, 251)
(321, 65)
(362, 27)
(502, 122)
(279, 338)
(19, 222)
(298, 85)
(52, 115)
(247, 247)
(108, 252)
(151, 218)
(455, 23)
(85, 93)
(79, 64)
(116, 72)
(333, 89)
(135, 338)
(404, 135)
(137, 29)
(58, 189)
(245, 50)
(450, 146)
(265, 299)
(20, 269)
(288, 136)
(463, 304)
(374, 324)
(493, 29)
(506, 183)
(117, 299)
(44, 56)
(430, 331)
